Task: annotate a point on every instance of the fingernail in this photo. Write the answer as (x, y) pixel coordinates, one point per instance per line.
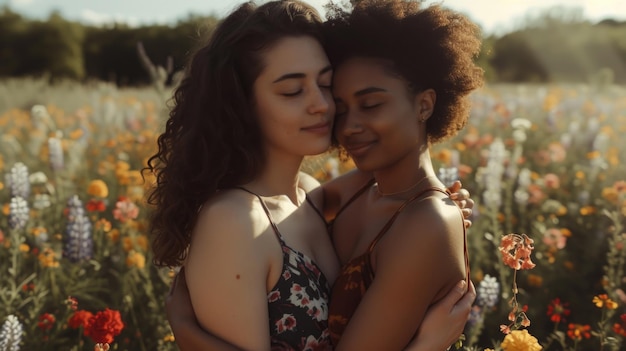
(461, 285)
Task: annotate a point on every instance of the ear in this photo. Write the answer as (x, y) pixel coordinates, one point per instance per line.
(425, 104)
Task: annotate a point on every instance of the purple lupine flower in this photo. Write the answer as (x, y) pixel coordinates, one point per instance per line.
(55, 153)
(17, 180)
(18, 213)
(488, 292)
(78, 234)
(11, 334)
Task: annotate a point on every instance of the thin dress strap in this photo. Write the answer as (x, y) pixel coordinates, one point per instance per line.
(317, 210)
(395, 215)
(267, 212)
(355, 196)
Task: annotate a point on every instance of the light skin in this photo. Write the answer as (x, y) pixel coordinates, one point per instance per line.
(233, 243)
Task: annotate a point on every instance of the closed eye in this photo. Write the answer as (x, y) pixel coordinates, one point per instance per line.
(367, 107)
(292, 94)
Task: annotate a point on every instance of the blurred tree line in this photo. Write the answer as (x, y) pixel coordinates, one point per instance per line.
(557, 46)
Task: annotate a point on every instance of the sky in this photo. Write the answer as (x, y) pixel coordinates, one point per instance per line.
(494, 16)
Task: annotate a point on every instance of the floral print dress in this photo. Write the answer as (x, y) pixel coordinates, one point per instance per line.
(298, 303)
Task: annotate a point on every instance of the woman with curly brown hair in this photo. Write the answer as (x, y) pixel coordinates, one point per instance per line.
(231, 204)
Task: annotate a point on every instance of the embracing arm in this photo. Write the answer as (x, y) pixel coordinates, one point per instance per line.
(411, 272)
(187, 332)
(226, 271)
(445, 320)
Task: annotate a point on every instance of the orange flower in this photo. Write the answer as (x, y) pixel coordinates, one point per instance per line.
(516, 250)
(603, 301)
(98, 188)
(577, 332)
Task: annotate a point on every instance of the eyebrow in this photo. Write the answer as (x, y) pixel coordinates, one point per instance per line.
(301, 75)
(365, 91)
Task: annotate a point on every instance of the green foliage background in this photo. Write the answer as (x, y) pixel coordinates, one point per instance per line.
(559, 45)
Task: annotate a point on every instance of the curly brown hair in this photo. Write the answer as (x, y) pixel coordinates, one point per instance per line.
(432, 48)
(212, 139)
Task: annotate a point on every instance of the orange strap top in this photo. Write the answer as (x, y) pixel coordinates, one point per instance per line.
(357, 275)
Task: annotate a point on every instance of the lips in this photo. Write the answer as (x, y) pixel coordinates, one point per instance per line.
(323, 127)
(357, 149)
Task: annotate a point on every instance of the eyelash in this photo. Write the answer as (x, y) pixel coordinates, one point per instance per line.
(371, 106)
(293, 94)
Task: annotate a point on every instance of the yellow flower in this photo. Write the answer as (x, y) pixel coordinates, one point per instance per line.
(38, 231)
(103, 225)
(169, 338)
(603, 300)
(48, 259)
(1, 184)
(520, 340)
(610, 194)
(98, 188)
(587, 210)
(24, 248)
(135, 259)
(593, 155)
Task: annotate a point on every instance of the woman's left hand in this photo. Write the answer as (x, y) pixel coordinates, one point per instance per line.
(462, 198)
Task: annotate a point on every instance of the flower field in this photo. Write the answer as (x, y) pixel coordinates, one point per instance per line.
(546, 166)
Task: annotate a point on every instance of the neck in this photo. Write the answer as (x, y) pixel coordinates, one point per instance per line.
(278, 177)
(406, 175)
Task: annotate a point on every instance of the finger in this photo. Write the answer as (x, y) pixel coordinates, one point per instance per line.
(467, 212)
(454, 296)
(464, 305)
(456, 186)
(467, 223)
(464, 193)
(469, 203)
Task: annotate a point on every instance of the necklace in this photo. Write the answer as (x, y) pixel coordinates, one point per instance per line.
(412, 187)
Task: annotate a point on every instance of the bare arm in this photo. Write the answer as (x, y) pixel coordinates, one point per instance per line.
(187, 332)
(226, 271)
(444, 321)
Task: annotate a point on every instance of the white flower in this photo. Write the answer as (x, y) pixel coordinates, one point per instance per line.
(11, 334)
(18, 212)
(488, 292)
(521, 123)
(38, 178)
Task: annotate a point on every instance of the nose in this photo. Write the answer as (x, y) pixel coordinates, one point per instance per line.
(349, 124)
(320, 102)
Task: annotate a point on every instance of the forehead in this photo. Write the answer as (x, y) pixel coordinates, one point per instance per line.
(293, 54)
(361, 72)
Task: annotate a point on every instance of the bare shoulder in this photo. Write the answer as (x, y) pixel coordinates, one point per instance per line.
(232, 210)
(435, 215)
(429, 235)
